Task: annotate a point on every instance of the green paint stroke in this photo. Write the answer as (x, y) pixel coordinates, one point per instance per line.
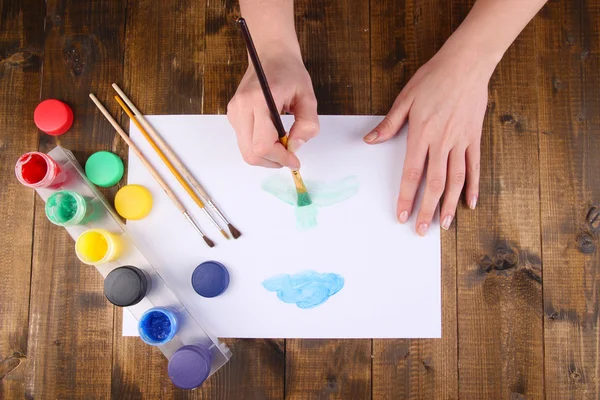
(323, 194)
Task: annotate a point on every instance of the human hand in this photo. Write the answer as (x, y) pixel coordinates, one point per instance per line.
(445, 103)
(249, 115)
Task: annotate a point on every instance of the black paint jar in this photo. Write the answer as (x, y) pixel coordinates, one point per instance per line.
(126, 286)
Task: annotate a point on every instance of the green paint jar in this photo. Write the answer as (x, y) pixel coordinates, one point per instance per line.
(67, 208)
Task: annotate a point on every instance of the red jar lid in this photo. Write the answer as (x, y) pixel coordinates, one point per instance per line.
(53, 117)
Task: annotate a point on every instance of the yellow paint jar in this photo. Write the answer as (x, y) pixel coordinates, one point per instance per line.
(97, 246)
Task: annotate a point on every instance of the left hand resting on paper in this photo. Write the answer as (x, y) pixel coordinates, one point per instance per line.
(445, 103)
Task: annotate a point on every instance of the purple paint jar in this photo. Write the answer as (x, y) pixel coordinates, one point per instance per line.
(190, 366)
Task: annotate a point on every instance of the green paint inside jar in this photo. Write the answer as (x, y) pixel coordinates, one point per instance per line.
(67, 208)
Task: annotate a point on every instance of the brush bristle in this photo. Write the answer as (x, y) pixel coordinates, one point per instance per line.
(224, 234)
(234, 232)
(209, 242)
(304, 199)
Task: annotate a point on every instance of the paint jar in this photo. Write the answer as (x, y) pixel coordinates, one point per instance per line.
(67, 208)
(190, 366)
(210, 279)
(38, 170)
(97, 246)
(126, 286)
(158, 326)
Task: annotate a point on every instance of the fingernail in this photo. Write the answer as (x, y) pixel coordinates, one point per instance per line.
(403, 217)
(422, 230)
(473, 202)
(447, 222)
(295, 145)
(371, 137)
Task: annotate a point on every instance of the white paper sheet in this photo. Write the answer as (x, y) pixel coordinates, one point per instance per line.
(391, 276)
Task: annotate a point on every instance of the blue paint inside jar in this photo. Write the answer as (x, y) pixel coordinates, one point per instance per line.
(157, 326)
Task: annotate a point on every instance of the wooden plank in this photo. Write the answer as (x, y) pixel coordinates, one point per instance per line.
(568, 87)
(404, 35)
(21, 53)
(334, 39)
(163, 68)
(164, 61)
(226, 59)
(70, 331)
(256, 370)
(498, 245)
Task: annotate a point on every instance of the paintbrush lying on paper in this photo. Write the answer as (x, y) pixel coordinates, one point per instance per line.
(161, 147)
(170, 166)
(151, 169)
(303, 196)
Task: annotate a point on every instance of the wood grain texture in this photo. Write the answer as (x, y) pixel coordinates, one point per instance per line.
(226, 59)
(498, 245)
(71, 323)
(569, 134)
(256, 370)
(335, 42)
(404, 35)
(21, 53)
(164, 60)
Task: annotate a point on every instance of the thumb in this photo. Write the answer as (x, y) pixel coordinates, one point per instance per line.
(391, 123)
(306, 122)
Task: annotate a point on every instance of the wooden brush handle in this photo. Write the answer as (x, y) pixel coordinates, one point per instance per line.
(161, 143)
(173, 157)
(262, 78)
(160, 153)
(139, 154)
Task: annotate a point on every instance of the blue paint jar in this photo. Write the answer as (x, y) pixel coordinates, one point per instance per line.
(158, 326)
(210, 279)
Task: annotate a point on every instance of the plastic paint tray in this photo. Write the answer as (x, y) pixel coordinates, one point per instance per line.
(160, 295)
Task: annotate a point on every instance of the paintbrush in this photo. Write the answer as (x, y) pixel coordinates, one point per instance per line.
(302, 192)
(150, 168)
(170, 166)
(175, 160)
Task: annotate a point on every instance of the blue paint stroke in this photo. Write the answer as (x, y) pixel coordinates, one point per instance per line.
(306, 289)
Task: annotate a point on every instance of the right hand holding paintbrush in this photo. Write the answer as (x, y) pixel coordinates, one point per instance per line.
(291, 87)
(249, 115)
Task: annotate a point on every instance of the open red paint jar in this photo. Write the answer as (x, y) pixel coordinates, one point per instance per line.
(38, 170)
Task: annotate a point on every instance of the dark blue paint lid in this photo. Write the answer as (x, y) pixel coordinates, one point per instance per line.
(210, 279)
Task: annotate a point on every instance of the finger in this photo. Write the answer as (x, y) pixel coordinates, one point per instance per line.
(265, 142)
(242, 125)
(391, 123)
(454, 184)
(412, 172)
(306, 122)
(436, 182)
(473, 158)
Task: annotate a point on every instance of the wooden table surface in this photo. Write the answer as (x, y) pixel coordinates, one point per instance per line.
(520, 280)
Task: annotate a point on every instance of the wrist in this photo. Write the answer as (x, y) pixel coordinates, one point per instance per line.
(473, 52)
(276, 48)
(271, 24)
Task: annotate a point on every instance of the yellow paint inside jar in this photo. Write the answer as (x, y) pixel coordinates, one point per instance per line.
(97, 246)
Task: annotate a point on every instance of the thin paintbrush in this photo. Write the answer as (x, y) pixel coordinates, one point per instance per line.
(175, 160)
(303, 197)
(151, 169)
(165, 160)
